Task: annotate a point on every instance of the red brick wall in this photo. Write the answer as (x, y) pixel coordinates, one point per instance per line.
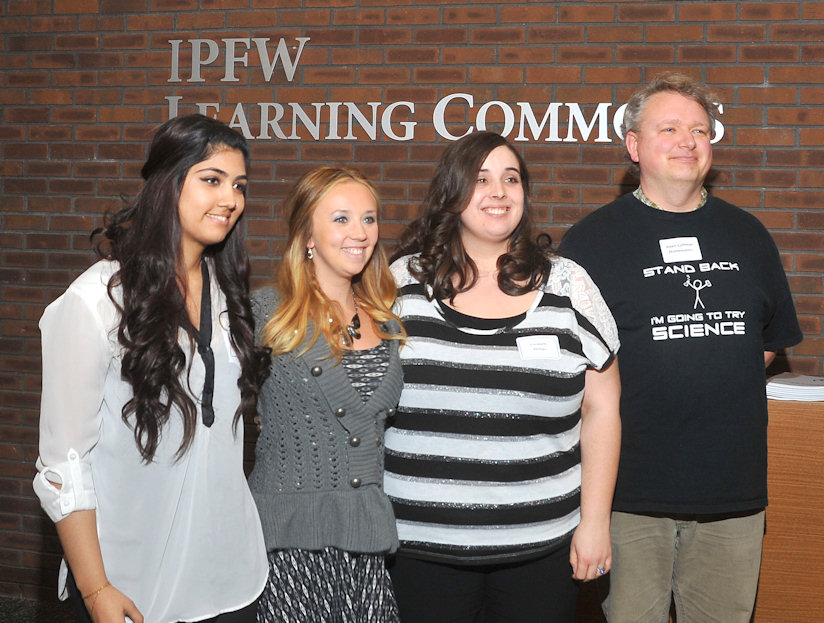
(85, 81)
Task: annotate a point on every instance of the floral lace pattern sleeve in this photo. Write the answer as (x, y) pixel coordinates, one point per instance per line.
(570, 279)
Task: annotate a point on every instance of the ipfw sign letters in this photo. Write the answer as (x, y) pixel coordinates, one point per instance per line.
(554, 122)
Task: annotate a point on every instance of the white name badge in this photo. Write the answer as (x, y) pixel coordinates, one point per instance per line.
(232, 354)
(680, 250)
(539, 347)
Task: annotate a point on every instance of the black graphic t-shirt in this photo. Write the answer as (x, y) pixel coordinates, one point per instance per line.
(698, 297)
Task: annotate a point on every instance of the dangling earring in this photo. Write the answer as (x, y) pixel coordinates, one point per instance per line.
(309, 253)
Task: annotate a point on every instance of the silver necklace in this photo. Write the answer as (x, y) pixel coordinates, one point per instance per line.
(351, 331)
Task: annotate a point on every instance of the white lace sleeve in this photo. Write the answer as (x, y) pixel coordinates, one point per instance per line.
(571, 279)
(400, 271)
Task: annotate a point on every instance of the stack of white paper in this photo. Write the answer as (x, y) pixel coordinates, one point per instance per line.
(789, 386)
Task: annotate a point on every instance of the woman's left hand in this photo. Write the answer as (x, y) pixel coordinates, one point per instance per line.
(591, 552)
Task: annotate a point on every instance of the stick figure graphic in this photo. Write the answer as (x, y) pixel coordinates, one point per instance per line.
(698, 285)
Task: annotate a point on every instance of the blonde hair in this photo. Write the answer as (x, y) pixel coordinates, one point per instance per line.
(302, 302)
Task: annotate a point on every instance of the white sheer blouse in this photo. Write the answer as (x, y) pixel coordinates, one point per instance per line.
(181, 538)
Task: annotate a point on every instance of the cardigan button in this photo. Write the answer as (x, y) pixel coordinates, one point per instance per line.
(355, 483)
(340, 412)
(354, 441)
(316, 371)
(390, 412)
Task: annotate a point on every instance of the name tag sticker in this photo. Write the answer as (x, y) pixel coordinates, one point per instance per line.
(539, 347)
(680, 250)
(232, 354)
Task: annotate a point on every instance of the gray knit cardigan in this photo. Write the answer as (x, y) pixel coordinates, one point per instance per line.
(318, 475)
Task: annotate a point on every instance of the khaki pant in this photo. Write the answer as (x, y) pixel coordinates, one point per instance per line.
(708, 566)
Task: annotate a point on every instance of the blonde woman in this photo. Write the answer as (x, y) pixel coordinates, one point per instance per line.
(335, 378)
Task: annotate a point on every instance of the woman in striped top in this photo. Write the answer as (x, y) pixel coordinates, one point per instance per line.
(501, 459)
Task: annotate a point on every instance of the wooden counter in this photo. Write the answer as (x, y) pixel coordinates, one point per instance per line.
(790, 589)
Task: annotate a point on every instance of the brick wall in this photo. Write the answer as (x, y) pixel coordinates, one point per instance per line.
(85, 81)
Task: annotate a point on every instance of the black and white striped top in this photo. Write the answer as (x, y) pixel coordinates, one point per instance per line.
(483, 457)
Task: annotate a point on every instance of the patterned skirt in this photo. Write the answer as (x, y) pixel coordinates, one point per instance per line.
(327, 586)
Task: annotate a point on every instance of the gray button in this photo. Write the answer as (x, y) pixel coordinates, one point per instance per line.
(390, 412)
(316, 371)
(354, 441)
(340, 412)
(355, 483)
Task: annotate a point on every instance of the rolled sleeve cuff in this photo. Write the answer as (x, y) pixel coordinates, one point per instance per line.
(76, 490)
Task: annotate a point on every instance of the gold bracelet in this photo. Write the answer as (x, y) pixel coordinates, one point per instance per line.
(96, 592)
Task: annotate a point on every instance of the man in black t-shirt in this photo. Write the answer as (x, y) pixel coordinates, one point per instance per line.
(701, 301)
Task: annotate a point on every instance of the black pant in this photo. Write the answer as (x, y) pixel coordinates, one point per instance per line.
(535, 591)
(244, 615)
(77, 600)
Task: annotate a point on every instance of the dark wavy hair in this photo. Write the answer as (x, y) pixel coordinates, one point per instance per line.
(145, 238)
(435, 235)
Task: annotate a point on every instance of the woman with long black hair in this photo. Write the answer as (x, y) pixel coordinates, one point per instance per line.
(149, 365)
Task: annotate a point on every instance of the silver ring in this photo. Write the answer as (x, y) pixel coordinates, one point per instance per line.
(600, 570)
